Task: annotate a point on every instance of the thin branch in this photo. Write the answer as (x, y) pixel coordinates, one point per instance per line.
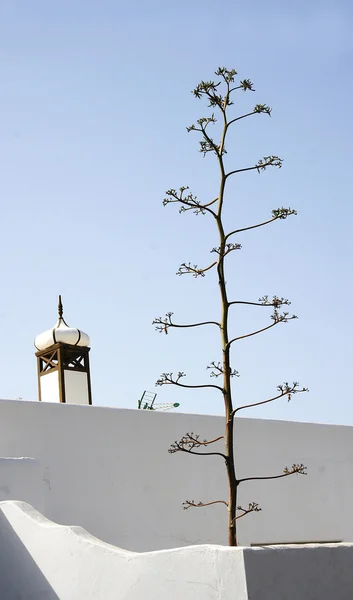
(294, 470)
(190, 201)
(257, 403)
(201, 453)
(253, 507)
(167, 379)
(190, 441)
(241, 117)
(241, 171)
(163, 324)
(245, 85)
(185, 269)
(210, 203)
(276, 322)
(267, 161)
(259, 108)
(276, 302)
(217, 370)
(190, 503)
(227, 249)
(209, 141)
(250, 227)
(285, 389)
(278, 213)
(209, 145)
(207, 442)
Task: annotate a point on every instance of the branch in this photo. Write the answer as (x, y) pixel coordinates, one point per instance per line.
(163, 324)
(189, 503)
(190, 441)
(278, 213)
(207, 442)
(194, 270)
(208, 145)
(217, 370)
(250, 227)
(294, 470)
(210, 203)
(190, 201)
(285, 389)
(253, 507)
(262, 164)
(245, 85)
(228, 248)
(276, 302)
(167, 379)
(259, 108)
(277, 318)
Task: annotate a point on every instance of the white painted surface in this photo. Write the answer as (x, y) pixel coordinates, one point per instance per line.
(24, 478)
(63, 333)
(111, 473)
(49, 387)
(76, 387)
(80, 567)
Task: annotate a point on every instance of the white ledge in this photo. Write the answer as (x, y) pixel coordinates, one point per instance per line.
(41, 559)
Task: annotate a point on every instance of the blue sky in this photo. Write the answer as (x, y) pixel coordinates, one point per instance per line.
(95, 98)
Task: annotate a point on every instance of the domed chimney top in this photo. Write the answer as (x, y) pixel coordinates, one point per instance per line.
(61, 333)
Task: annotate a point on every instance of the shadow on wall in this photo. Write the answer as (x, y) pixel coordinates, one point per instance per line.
(298, 573)
(20, 577)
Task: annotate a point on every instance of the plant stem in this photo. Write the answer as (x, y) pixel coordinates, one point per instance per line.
(227, 392)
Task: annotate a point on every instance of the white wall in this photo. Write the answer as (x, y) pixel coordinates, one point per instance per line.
(80, 567)
(49, 387)
(76, 387)
(109, 471)
(24, 478)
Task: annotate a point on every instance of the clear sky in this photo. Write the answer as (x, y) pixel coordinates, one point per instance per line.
(95, 97)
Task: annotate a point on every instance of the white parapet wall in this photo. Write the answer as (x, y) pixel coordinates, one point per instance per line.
(25, 478)
(40, 559)
(109, 471)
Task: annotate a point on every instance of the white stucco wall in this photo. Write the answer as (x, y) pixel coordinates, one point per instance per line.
(109, 471)
(24, 478)
(80, 567)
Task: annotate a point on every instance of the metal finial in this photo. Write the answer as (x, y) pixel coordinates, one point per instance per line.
(60, 308)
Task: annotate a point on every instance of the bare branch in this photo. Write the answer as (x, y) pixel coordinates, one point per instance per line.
(212, 202)
(190, 503)
(164, 323)
(250, 227)
(217, 370)
(228, 248)
(245, 85)
(293, 470)
(261, 165)
(188, 202)
(277, 213)
(208, 442)
(190, 441)
(208, 144)
(285, 390)
(253, 507)
(276, 302)
(194, 270)
(259, 108)
(167, 379)
(289, 391)
(277, 318)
